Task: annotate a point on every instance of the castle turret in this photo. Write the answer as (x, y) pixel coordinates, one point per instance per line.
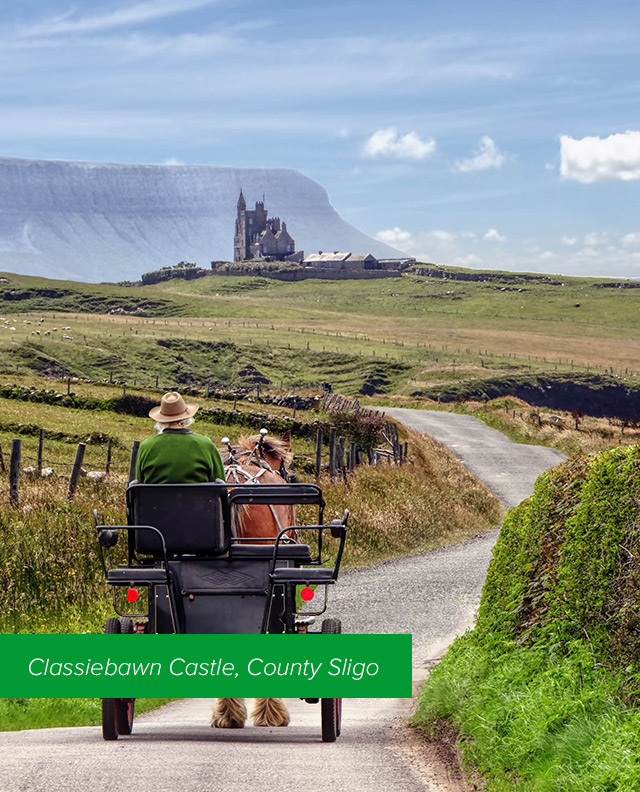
(242, 204)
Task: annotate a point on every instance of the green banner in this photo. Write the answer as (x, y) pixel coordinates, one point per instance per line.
(199, 666)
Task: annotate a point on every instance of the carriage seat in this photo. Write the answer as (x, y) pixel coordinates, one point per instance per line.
(294, 553)
(194, 519)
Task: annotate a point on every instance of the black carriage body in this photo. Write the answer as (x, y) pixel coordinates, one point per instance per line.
(200, 579)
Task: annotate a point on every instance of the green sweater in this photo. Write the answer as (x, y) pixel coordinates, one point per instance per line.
(178, 456)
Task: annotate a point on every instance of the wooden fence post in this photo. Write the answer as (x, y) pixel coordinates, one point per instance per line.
(156, 381)
(332, 452)
(353, 449)
(68, 385)
(75, 472)
(107, 467)
(134, 456)
(40, 449)
(14, 471)
(319, 454)
(2, 465)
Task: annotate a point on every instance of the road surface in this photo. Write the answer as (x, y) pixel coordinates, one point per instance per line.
(433, 596)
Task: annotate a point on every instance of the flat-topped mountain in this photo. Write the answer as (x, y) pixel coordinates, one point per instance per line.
(102, 222)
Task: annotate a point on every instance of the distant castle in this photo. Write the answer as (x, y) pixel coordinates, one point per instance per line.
(259, 237)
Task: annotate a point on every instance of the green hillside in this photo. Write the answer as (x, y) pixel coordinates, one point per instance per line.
(398, 335)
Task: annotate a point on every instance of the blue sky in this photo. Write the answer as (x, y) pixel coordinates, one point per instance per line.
(496, 134)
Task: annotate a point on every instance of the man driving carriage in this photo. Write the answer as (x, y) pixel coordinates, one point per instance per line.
(176, 455)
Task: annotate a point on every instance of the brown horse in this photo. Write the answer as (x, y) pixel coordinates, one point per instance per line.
(257, 459)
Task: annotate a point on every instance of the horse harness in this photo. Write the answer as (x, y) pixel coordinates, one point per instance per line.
(236, 470)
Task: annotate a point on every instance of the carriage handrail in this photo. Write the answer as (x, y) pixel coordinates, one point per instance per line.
(338, 530)
(129, 565)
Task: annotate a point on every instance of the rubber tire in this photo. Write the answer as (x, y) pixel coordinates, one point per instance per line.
(124, 715)
(110, 706)
(331, 709)
(126, 625)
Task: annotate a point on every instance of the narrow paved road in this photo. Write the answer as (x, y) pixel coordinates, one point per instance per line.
(508, 469)
(432, 596)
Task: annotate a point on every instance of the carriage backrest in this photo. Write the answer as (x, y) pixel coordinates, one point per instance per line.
(193, 518)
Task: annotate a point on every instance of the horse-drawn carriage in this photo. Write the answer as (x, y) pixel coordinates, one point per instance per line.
(192, 548)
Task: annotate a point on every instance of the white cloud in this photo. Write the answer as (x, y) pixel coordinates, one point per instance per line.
(395, 237)
(594, 159)
(424, 246)
(388, 143)
(631, 240)
(135, 14)
(493, 235)
(487, 155)
(594, 238)
(569, 241)
(444, 238)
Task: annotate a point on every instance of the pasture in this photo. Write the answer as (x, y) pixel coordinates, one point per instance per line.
(397, 335)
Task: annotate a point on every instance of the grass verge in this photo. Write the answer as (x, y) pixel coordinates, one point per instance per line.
(544, 691)
(46, 713)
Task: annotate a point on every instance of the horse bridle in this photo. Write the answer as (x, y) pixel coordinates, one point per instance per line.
(256, 457)
(235, 467)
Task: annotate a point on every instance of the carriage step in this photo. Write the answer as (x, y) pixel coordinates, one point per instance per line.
(289, 575)
(127, 575)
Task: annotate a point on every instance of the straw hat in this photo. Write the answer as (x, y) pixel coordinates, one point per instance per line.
(172, 408)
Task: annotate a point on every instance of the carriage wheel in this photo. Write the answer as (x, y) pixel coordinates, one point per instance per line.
(124, 715)
(331, 709)
(110, 706)
(124, 707)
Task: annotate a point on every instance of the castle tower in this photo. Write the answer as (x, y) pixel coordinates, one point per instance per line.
(257, 236)
(240, 240)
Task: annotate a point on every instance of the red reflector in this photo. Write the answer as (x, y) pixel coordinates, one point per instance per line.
(132, 595)
(306, 594)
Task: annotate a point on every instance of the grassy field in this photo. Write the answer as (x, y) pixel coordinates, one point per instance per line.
(403, 333)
